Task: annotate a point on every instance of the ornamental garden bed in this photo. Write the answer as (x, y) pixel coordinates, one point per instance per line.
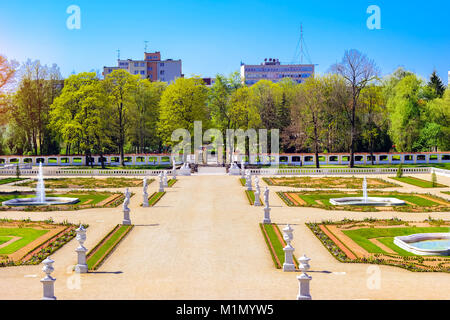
(419, 182)
(98, 255)
(88, 199)
(328, 182)
(415, 202)
(251, 197)
(90, 183)
(29, 242)
(155, 197)
(11, 180)
(275, 243)
(171, 182)
(372, 241)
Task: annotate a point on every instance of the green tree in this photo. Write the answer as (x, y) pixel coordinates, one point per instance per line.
(436, 84)
(182, 103)
(436, 132)
(144, 116)
(80, 114)
(308, 115)
(358, 71)
(120, 87)
(38, 87)
(373, 116)
(405, 111)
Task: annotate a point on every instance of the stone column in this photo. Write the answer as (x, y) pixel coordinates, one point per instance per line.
(304, 279)
(288, 264)
(48, 281)
(81, 266)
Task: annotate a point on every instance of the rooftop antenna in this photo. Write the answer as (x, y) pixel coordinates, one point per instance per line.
(146, 44)
(118, 54)
(303, 48)
(301, 43)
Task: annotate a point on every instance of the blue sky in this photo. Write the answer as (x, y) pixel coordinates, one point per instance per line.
(214, 36)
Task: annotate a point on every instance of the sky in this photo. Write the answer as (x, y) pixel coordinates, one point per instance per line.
(215, 36)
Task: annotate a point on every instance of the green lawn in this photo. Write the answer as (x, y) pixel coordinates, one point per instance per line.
(96, 198)
(92, 183)
(154, 198)
(88, 198)
(418, 182)
(328, 182)
(5, 197)
(278, 247)
(99, 255)
(325, 198)
(27, 234)
(4, 239)
(9, 180)
(386, 235)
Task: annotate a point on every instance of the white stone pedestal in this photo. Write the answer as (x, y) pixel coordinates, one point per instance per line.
(288, 265)
(81, 267)
(267, 216)
(166, 185)
(48, 282)
(257, 200)
(248, 182)
(304, 279)
(145, 200)
(303, 290)
(81, 251)
(161, 183)
(126, 218)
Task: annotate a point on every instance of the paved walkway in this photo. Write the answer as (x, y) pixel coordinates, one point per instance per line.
(202, 241)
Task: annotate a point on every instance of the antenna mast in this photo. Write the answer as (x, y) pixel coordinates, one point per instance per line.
(118, 54)
(146, 44)
(301, 43)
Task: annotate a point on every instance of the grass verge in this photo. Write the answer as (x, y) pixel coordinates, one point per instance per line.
(419, 182)
(105, 247)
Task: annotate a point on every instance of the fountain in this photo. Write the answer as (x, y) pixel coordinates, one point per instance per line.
(40, 199)
(437, 244)
(365, 200)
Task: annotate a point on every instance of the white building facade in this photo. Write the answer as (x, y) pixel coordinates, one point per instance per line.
(273, 70)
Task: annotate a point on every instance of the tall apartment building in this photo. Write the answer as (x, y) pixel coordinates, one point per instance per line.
(152, 68)
(273, 70)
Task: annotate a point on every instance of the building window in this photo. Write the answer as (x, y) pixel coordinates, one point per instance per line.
(161, 72)
(161, 64)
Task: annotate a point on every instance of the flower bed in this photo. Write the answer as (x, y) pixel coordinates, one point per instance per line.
(320, 199)
(371, 241)
(34, 251)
